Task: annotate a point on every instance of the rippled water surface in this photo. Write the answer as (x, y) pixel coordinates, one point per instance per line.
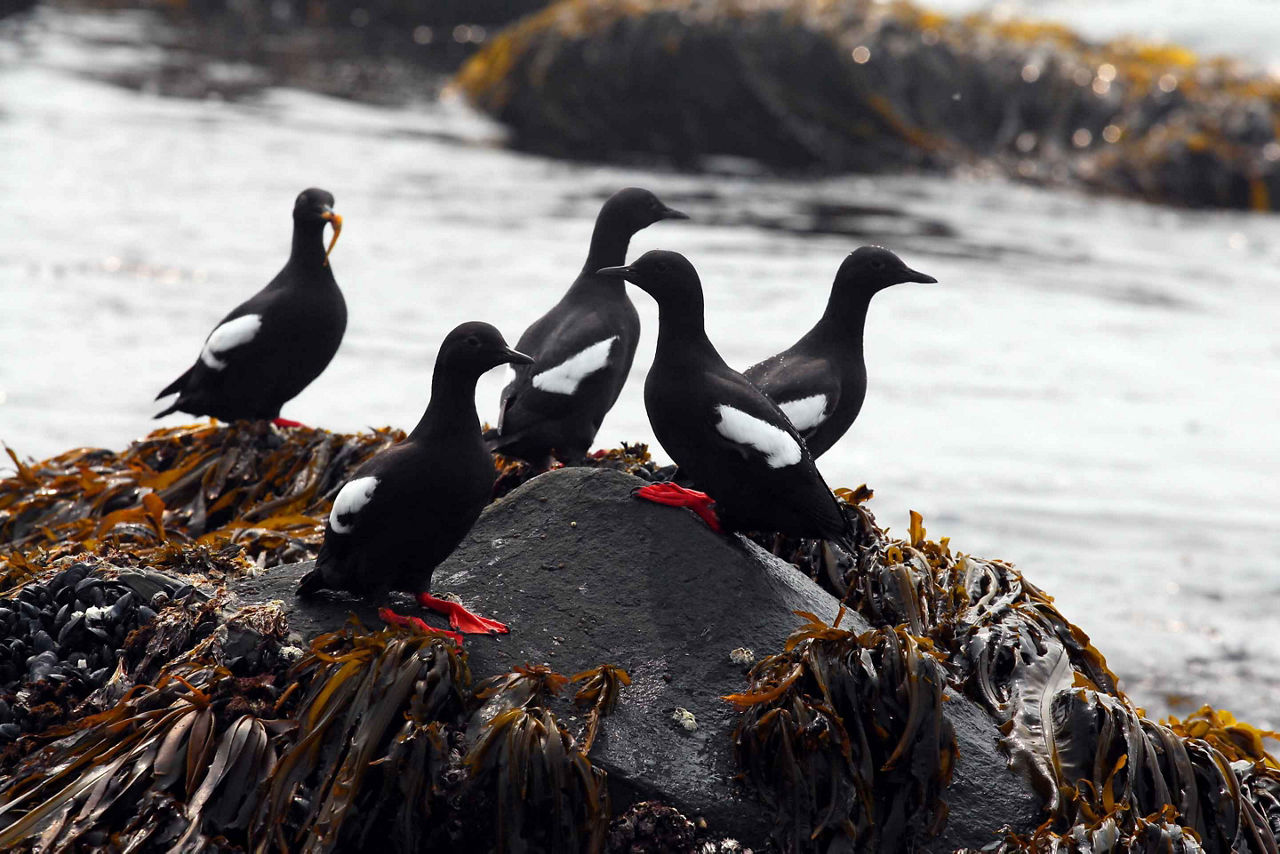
(1090, 392)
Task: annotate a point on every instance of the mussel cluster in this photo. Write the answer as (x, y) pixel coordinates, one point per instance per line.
(64, 637)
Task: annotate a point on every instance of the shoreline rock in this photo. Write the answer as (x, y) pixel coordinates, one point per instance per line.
(855, 85)
(949, 684)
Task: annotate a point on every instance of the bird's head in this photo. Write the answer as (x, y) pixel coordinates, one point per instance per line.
(633, 208)
(662, 274)
(315, 207)
(475, 347)
(874, 268)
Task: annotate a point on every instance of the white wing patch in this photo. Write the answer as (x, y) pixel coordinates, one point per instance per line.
(229, 336)
(779, 449)
(806, 413)
(351, 499)
(565, 377)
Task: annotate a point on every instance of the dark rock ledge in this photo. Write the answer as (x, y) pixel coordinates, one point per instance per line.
(583, 573)
(157, 691)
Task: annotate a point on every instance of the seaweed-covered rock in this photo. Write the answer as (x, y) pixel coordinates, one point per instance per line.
(869, 86)
(584, 573)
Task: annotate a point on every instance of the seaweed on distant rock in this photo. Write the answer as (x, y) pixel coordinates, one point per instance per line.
(858, 85)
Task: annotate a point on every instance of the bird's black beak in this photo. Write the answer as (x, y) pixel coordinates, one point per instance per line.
(672, 213)
(336, 222)
(515, 357)
(616, 273)
(917, 276)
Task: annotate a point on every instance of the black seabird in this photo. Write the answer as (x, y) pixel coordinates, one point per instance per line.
(730, 439)
(270, 347)
(407, 508)
(821, 381)
(583, 347)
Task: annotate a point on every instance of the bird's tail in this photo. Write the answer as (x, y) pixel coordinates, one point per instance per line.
(835, 564)
(311, 583)
(177, 384)
(173, 407)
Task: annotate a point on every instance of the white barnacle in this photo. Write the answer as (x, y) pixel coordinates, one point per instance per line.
(805, 413)
(684, 719)
(227, 337)
(778, 446)
(351, 499)
(565, 377)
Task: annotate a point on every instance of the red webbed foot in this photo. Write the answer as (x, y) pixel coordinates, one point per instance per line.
(460, 618)
(285, 422)
(392, 618)
(677, 496)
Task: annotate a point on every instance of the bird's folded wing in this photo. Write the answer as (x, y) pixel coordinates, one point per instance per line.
(806, 389)
(229, 336)
(565, 355)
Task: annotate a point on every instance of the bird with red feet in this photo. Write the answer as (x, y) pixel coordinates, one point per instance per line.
(406, 509)
(271, 346)
(724, 434)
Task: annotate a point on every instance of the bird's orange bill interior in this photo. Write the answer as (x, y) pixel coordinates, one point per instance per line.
(337, 229)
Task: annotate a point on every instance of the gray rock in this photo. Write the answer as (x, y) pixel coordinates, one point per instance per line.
(585, 574)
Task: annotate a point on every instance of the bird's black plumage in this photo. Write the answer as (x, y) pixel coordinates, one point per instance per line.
(407, 508)
(270, 347)
(821, 380)
(731, 440)
(583, 347)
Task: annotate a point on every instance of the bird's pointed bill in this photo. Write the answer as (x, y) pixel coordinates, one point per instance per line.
(515, 357)
(672, 213)
(615, 272)
(922, 278)
(336, 221)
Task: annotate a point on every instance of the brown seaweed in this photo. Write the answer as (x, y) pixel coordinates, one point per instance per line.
(369, 722)
(1109, 776)
(543, 790)
(245, 485)
(844, 735)
(169, 740)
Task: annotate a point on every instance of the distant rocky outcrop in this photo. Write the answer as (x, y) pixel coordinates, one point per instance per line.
(856, 85)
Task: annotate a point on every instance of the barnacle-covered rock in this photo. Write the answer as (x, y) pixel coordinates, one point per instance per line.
(869, 86)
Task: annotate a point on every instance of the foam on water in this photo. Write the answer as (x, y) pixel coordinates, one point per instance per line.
(1090, 391)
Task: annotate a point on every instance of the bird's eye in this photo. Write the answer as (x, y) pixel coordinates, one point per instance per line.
(877, 264)
(473, 341)
(664, 267)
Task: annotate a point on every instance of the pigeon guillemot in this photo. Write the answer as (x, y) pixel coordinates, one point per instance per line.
(731, 440)
(821, 381)
(583, 346)
(270, 347)
(406, 509)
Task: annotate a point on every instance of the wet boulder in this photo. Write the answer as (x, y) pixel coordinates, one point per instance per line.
(864, 86)
(585, 574)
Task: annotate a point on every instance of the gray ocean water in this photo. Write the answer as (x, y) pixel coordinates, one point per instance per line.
(1091, 391)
